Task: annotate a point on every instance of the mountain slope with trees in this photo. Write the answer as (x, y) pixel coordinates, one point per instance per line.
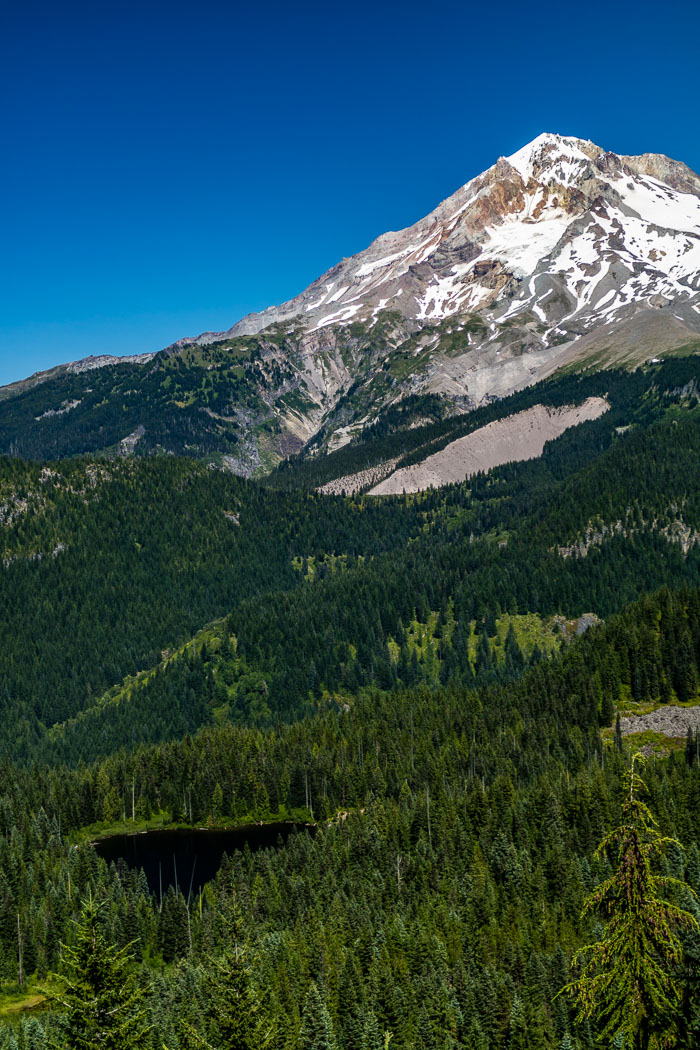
(562, 255)
(440, 897)
(427, 681)
(123, 561)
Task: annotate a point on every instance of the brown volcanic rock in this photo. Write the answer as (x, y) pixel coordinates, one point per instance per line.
(515, 213)
(673, 172)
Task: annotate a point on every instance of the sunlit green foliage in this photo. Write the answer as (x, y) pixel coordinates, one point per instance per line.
(181, 646)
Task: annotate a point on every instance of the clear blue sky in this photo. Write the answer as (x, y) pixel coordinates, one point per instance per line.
(166, 168)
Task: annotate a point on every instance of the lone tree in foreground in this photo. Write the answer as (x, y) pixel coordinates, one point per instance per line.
(628, 982)
(100, 1000)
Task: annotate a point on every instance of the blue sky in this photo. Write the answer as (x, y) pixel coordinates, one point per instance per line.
(167, 168)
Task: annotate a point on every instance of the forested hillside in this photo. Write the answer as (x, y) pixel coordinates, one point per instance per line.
(440, 897)
(121, 562)
(349, 579)
(93, 409)
(409, 430)
(428, 682)
(107, 564)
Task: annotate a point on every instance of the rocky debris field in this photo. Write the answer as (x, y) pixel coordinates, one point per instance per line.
(518, 437)
(669, 720)
(352, 483)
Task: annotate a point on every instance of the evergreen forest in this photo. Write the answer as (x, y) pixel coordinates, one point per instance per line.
(435, 688)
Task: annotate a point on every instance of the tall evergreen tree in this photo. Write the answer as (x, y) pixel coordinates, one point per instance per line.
(628, 982)
(317, 1026)
(240, 1019)
(100, 1001)
(517, 1028)
(236, 1018)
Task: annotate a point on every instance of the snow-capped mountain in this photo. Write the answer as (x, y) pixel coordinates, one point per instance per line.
(562, 254)
(561, 230)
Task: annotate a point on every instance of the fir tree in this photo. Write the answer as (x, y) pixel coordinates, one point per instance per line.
(100, 1000)
(517, 1029)
(237, 1021)
(628, 982)
(316, 1026)
(240, 1019)
(618, 734)
(691, 747)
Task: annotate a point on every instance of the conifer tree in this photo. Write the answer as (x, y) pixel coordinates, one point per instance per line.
(317, 1026)
(100, 1001)
(618, 734)
(517, 1029)
(628, 982)
(237, 1021)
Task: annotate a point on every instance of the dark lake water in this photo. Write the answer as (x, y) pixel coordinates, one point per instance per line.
(189, 856)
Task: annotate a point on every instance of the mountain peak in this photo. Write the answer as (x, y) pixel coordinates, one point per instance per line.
(559, 254)
(560, 215)
(548, 149)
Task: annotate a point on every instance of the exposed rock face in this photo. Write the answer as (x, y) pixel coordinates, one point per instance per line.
(672, 172)
(562, 253)
(86, 364)
(518, 437)
(352, 483)
(129, 443)
(670, 720)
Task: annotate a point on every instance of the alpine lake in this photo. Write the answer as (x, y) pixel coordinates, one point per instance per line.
(187, 858)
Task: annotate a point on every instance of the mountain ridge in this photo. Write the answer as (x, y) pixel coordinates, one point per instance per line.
(563, 161)
(562, 255)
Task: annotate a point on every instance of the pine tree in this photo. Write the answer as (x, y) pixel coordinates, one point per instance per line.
(371, 1037)
(628, 982)
(517, 1029)
(316, 1026)
(100, 1001)
(237, 1020)
(618, 734)
(515, 660)
(691, 746)
(173, 925)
